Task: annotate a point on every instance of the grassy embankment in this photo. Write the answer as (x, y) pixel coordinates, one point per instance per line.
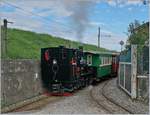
(26, 44)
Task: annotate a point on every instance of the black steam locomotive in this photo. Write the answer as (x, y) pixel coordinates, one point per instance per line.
(66, 69)
(63, 69)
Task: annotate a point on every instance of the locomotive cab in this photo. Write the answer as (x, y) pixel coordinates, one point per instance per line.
(61, 68)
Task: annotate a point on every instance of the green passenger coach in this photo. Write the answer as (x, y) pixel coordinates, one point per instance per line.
(101, 62)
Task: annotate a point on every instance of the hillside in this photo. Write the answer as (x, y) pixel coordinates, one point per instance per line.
(26, 44)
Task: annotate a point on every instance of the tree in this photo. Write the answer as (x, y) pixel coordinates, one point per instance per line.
(138, 33)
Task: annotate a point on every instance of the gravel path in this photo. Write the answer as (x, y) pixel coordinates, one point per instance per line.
(79, 103)
(119, 96)
(82, 102)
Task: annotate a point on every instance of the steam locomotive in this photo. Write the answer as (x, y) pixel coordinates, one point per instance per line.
(67, 69)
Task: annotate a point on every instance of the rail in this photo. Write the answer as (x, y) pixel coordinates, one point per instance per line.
(101, 104)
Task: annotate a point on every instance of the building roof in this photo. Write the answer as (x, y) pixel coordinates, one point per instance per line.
(98, 52)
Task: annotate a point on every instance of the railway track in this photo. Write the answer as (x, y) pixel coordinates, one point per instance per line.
(106, 103)
(33, 106)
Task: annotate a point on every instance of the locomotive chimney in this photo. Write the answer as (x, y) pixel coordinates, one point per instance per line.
(81, 48)
(62, 46)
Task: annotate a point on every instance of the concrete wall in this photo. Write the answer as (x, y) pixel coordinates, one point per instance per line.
(20, 80)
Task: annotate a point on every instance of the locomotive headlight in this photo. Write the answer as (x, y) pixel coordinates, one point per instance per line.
(54, 61)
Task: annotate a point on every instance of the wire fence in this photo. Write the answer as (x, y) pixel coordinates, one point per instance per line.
(143, 60)
(143, 73)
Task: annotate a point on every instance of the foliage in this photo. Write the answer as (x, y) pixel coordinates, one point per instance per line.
(138, 33)
(27, 45)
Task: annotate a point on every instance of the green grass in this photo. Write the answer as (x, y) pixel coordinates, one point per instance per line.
(26, 44)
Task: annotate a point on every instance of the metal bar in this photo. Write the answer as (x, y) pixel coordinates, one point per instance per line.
(125, 90)
(142, 76)
(125, 62)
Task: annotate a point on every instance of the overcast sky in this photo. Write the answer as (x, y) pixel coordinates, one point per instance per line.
(76, 19)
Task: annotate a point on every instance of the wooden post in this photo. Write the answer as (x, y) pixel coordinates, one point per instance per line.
(5, 36)
(133, 71)
(3, 41)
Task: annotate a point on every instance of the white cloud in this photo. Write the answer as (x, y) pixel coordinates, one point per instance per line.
(111, 2)
(122, 3)
(21, 20)
(54, 7)
(96, 23)
(130, 8)
(134, 2)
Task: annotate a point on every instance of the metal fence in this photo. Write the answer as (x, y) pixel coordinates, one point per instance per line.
(125, 76)
(143, 73)
(134, 71)
(125, 71)
(143, 60)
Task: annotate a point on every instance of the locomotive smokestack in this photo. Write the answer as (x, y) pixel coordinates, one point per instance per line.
(81, 48)
(62, 46)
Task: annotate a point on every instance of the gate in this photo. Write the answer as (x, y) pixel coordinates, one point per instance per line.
(127, 71)
(125, 76)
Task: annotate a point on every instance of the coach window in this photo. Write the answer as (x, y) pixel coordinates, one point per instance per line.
(102, 60)
(89, 59)
(107, 60)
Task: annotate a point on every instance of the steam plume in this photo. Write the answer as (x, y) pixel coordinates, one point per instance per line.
(80, 15)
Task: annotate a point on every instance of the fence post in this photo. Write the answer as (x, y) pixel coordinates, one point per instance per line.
(133, 71)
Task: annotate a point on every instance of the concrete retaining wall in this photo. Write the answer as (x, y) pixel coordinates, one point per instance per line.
(20, 80)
